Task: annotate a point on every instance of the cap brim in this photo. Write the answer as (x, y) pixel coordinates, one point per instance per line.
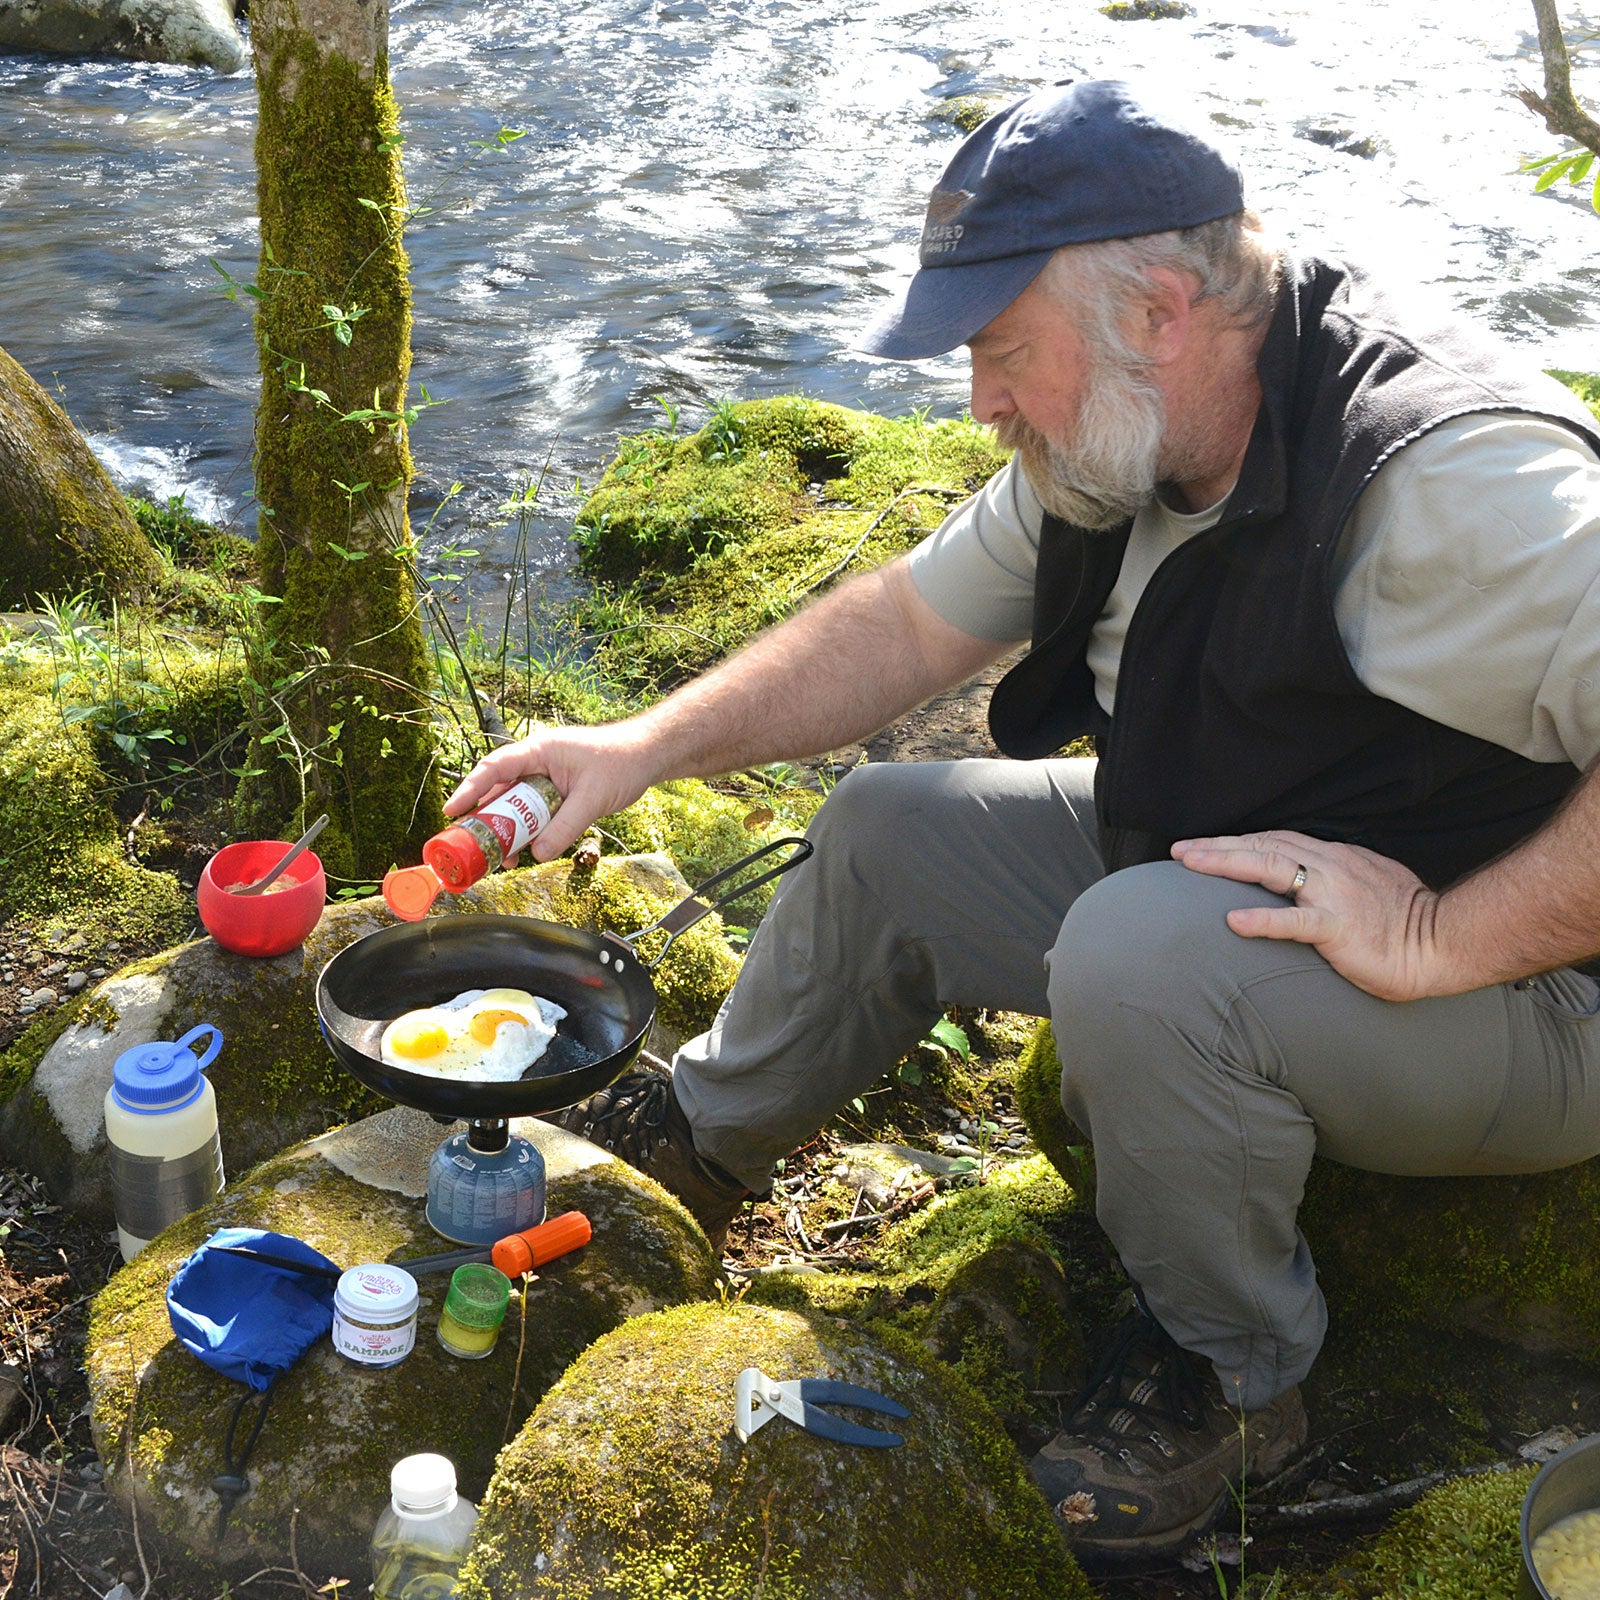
(945, 306)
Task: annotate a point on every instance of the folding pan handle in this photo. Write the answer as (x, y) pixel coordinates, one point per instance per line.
(692, 908)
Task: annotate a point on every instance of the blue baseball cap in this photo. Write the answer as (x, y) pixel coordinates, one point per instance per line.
(1069, 164)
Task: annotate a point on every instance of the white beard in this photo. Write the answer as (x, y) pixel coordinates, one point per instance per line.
(1110, 464)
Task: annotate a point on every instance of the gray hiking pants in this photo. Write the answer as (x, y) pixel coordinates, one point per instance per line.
(1206, 1068)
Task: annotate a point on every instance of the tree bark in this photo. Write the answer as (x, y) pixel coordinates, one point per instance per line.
(1562, 113)
(64, 527)
(343, 664)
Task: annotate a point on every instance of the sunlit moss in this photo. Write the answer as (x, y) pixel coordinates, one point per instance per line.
(1586, 385)
(720, 540)
(1461, 1541)
(628, 1484)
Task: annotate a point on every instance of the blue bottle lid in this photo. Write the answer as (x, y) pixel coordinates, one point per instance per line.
(162, 1075)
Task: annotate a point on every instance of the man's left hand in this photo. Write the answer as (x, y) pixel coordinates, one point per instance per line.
(1370, 918)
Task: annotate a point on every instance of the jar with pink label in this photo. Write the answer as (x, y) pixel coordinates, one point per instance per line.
(375, 1314)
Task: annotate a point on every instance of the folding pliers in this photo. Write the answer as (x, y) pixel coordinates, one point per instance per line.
(758, 1399)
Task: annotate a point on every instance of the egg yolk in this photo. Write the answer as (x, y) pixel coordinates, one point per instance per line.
(418, 1040)
(485, 1023)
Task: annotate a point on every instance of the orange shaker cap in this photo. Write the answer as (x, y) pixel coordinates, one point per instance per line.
(457, 857)
(410, 891)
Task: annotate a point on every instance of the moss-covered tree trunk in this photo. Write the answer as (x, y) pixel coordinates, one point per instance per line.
(342, 663)
(63, 526)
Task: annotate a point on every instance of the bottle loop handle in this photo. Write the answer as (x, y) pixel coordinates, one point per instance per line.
(211, 1049)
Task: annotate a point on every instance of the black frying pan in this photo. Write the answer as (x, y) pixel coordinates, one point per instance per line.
(598, 977)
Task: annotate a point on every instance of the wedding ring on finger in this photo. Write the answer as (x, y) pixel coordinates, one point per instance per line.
(1298, 881)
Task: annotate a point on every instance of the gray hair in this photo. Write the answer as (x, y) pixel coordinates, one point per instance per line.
(1232, 257)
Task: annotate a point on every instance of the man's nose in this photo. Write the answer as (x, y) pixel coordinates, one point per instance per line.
(991, 401)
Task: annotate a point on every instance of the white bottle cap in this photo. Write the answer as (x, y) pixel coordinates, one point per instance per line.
(423, 1486)
(376, 1291)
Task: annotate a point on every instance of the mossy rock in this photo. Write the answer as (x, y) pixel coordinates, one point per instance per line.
(64, 528)
(1461, 1541)
(1513, 1259)
(276, 1080)
(967, 113)
(705, 829)
(319, 1473)
(976, 1277)
(60, 845)
(1146, 10)
(732, 528)
(190, 33)
(628, 1481)
(665, 501)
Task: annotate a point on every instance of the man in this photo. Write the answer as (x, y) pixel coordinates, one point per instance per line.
(1324, 581)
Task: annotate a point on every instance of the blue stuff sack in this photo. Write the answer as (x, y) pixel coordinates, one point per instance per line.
(250, 1320)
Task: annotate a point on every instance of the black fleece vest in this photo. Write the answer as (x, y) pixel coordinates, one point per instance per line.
(1237, 706)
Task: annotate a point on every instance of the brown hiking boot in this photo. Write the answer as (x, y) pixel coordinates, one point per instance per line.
(639, 1119)
(1151, 1451)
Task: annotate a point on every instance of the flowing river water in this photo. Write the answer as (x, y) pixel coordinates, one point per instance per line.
(712, 197)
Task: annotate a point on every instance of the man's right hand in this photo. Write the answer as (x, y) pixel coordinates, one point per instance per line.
(841, 668)
(598, 770)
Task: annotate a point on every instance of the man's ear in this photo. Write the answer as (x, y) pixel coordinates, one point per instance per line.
(1163, 316)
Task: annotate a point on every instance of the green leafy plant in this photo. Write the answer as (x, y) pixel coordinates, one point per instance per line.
(99, 683)
(945, 1038)
(1575, 164)
(724, 433)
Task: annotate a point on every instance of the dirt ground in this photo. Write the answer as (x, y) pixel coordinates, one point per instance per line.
(61, 1537)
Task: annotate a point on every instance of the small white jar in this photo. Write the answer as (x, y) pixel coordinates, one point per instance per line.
(375, 1314)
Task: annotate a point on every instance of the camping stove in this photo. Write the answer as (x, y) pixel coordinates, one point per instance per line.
(484, 1183)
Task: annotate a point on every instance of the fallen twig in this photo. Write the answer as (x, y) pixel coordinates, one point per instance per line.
(874, 525)
(1362, 1507)
(516, 1372)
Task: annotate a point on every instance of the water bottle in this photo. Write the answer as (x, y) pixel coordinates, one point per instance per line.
(424, 1533)
(161, 1126)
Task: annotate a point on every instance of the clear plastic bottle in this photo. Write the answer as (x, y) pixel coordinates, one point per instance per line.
(424, 1532)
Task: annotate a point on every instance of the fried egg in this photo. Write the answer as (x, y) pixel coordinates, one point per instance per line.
(489, 1035)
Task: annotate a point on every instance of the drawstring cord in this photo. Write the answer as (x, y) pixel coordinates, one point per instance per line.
(231, 1484)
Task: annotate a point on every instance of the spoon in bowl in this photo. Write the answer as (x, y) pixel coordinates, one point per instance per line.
(260, 885)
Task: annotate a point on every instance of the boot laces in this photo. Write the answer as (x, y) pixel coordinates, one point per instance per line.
(1144, 1376)
(639, 1100)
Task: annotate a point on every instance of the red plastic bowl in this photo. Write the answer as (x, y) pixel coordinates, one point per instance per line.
(268, 924)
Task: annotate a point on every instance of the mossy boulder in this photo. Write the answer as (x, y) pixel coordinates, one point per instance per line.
(319, 1473)
(1461, 1541)
(710, 537)
(63, 525)
(1514, 1259)
(628, 1481)
(276, 1080)
(189, 33)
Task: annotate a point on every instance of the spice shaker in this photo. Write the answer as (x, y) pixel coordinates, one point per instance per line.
(457, 856)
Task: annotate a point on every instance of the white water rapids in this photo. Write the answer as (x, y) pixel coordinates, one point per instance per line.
(713, 197)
